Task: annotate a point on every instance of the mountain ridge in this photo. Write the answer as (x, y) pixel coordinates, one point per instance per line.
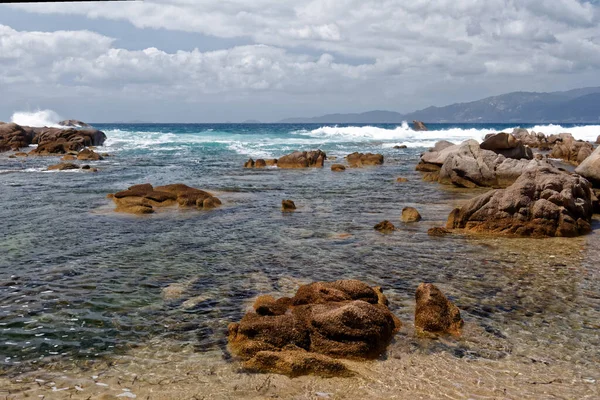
(576, 105)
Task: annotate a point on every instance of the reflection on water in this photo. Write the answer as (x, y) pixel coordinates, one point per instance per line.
(89, 292)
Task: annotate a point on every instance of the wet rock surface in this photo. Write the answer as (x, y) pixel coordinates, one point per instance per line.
(288, 205)
(434, 313)
(341, 319)
(385, 226)
(542, 202)
(410, 214)
(143, 198)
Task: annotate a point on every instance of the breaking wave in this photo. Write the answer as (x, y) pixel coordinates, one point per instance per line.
(38, 118)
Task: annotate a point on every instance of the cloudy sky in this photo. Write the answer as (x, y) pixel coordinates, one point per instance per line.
(232, 60)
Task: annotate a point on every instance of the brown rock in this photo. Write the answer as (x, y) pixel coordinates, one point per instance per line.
(385, 226)
(249, 163)
(338, 168)
(419, 126)
(20, 154)
(260, 163)
(507, 145)
(68, 157)
(297, 363)
(401, 180)
(88, 155)
(63, 167)
(542, 202)
(357, 160)
(288, 205)
(302, 159)
(571, 150)
(271, 162)
(346, 319)
(410, 214)
(434, 313)
(437, 231)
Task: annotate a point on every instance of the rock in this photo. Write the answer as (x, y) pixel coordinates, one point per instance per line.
(287, 205)
(338, 168)
(598, 140)
(20, 154)
(410, 214)
(249, 164)
(302, 159)
(14, 137)
(356, 160)
(419, 126)
(385, 226)
(434, 313)
(74, 123)
(468, 165)
(590, 168)
(271, 162)
(138, 198)
(401, 180)
(68, 157)
(438, 231)
(571, 150)
(260, 163)
(531, 139)
(402, 146)
(87, 137)
(543, 202)
(507, 145)
(54, 148)
(342, 319)
(295, 363)
(63, 167)
(88, 155)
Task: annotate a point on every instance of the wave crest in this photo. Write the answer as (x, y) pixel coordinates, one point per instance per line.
(38, 118)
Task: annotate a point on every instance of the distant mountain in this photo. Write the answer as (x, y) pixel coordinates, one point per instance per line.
(578, 105)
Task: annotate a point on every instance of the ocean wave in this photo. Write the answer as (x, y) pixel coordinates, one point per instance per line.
(38, 118)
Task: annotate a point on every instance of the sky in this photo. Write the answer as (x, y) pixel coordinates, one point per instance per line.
(235, 60)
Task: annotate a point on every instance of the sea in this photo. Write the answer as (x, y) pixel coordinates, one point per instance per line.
(83, 288)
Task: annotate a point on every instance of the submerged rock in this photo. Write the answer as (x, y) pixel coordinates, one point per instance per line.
(342, 319)
(401, 180)
(410, 214)
(356, 160)
(302, 159)
(438, 231)
(63, 167)
(542, 202)
(338, 168)
(88, 155)
(434, 313)
(385, 226)
(141, 199)
(288, 205)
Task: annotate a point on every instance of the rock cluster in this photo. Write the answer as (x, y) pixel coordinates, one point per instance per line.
(357, 160)
(468, 165)
(142, 199)
(571, 150)
(260, 163)
(543, 202)
(302, 159)
(323, 321)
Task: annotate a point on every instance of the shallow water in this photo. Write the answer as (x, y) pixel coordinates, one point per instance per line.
(83, 289)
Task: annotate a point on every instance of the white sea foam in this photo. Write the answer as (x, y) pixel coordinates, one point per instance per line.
(38, 118)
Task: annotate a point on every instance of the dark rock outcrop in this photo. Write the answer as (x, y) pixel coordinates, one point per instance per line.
(434, 313)
(50, 141)
(302, 159)
(288, 205)
(141, 199)
(419, 126)
(357, 160)
(543, 202)
(385, 226)
(342, 319)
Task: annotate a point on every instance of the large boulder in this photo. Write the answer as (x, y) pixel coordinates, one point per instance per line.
(89, 155)
(14, 137)
(543, 202)
(356, 160)
(141, 199)
(507, 145)
(571, 150)
(88, 137)
(302, 159)
(434, 313)
(342, 319)
(590, 168)
(468, 165)
(419, 126)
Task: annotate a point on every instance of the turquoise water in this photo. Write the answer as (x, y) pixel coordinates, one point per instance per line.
(79, 282)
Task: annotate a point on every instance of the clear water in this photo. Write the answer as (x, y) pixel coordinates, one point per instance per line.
(79, 283)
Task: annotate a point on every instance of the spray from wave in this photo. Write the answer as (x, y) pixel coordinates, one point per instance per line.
(38, 118)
